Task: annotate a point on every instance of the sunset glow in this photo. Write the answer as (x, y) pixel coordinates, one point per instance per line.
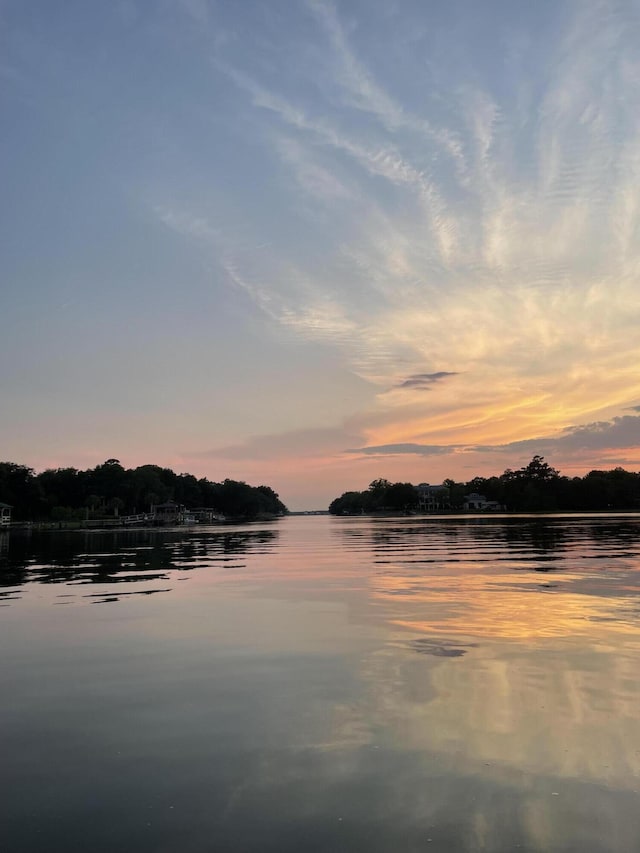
(314, 244)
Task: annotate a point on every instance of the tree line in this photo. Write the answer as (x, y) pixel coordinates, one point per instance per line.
(65, 494)
(537, 487)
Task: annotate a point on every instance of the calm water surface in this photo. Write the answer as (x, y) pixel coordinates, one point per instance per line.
(320, 684)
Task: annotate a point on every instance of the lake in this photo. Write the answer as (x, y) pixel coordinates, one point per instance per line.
(323, 684)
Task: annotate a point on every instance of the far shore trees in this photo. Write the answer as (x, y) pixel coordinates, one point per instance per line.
(537, 487)
(110, 490)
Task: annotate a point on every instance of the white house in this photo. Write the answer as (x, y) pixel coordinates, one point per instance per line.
(479, 503)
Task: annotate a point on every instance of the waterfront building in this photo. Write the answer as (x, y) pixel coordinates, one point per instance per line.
(479, 503)
(168, 513)
(433, 498)
(5, 514)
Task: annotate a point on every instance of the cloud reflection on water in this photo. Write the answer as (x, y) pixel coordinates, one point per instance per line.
(471, 680)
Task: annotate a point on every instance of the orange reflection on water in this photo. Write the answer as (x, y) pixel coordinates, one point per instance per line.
(471, 603)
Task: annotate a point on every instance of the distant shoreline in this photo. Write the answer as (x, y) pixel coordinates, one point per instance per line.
(108, 526)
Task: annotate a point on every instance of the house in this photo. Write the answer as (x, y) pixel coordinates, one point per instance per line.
(478, 503)
(168, 513)
(432, 498)
(5, 514)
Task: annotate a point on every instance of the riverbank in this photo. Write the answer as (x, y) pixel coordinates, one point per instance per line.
(118, 524)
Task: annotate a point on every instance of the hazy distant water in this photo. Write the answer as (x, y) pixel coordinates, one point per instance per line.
(323, 684)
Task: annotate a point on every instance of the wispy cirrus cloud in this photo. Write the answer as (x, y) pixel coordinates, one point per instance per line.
(470, 230)
(363, 92)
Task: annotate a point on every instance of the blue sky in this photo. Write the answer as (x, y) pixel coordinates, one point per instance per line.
(313, 243)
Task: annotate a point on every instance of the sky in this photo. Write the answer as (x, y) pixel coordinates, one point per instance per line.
(310, 243)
